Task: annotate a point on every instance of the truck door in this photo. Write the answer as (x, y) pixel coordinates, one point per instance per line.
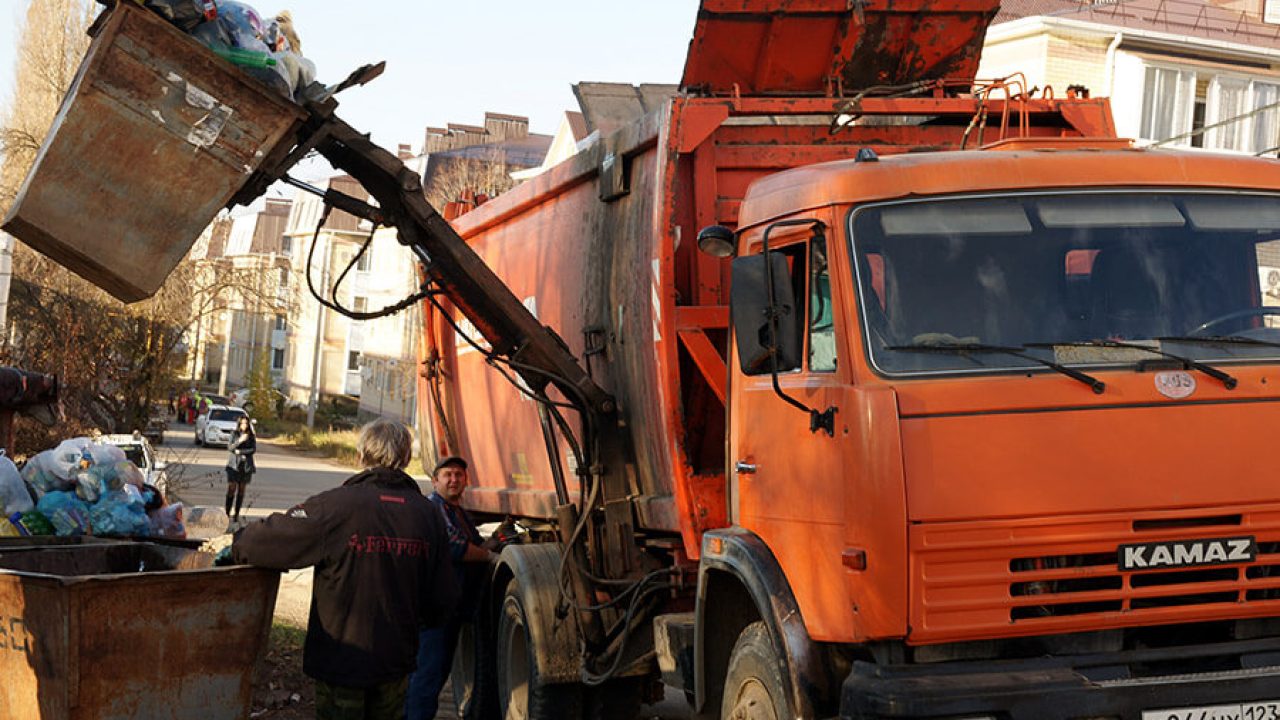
(784, 477)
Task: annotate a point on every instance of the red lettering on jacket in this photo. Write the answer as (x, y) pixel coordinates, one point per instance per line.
(391, 498)
(382, 545)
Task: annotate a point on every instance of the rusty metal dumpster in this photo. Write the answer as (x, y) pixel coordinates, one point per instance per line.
(121, 630)
(155, 136)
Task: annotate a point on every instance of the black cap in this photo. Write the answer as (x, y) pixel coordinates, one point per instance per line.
(446, 462)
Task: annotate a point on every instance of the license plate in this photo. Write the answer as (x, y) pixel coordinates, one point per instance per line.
(1260, 710)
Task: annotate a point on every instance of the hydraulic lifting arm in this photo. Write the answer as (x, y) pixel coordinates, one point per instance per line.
(597, 537)
(455, 271)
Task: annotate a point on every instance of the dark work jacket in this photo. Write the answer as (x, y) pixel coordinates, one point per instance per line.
(382, 569)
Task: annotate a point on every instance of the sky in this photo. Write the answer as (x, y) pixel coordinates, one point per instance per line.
(453, 61)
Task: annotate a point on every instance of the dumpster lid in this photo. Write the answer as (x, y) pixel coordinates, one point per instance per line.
(807, 47)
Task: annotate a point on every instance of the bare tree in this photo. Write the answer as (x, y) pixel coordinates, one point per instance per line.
(52, 42)
(477, 170)
(114, 361)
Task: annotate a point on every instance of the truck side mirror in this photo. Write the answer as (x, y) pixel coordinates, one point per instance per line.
(751, 312)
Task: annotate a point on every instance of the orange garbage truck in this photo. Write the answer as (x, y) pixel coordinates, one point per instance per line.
(841, 384)
(957, 413)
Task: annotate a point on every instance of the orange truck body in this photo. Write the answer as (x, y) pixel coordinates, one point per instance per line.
(917, 521)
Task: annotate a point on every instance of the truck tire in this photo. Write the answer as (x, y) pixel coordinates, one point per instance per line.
(522, 695)
(754, 688)
(474, 676)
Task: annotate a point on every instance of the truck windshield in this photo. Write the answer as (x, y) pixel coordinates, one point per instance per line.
(1191, 273)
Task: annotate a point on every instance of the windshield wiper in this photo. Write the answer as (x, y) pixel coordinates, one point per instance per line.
(964, 348)
(1227, 380)
(1219, 340)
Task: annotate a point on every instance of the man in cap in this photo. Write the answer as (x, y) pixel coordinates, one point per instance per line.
(436, 645)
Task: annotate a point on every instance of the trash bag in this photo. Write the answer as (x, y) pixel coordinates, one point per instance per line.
(239, 35)
(127, 473)
(266, 49)
(120, 513)
(14, 495)
(67, 459)
(184, 14)
(68, 514)
(168, 521)
(58, 469)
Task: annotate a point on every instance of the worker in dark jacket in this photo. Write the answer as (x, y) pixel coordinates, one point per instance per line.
(383, 569)
(471, 556)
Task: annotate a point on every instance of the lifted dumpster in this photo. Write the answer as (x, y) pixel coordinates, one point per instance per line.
(155, 136)
(119, 630)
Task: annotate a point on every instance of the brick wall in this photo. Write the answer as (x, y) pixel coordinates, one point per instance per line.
(1049, 60)
(1075, 61)
(1025, 55)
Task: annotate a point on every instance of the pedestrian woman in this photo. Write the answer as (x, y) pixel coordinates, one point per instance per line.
(240, 467)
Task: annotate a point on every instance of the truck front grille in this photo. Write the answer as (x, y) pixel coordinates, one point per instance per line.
(1003, 579)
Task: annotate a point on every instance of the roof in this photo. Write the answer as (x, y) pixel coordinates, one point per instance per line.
(974, 171)
(1190, 18)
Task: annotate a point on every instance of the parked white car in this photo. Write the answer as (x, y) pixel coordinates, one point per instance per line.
(240, 399)
(139, 451)
(216, 426)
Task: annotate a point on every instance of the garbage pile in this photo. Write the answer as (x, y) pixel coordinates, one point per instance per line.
(267, 50)
(84, 488)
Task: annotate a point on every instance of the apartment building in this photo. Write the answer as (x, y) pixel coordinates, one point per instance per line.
(1183, 73)
(242, 298)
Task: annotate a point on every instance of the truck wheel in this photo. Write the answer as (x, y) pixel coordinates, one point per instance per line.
(474, 676)
(522, 694)
(754, 688)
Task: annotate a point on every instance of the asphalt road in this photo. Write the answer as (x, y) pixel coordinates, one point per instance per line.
(284, 478)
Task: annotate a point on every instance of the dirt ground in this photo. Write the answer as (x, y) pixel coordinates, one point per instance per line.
(280, 690)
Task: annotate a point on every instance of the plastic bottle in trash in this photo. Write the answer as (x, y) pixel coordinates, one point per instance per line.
(32, 522)
(246, 58)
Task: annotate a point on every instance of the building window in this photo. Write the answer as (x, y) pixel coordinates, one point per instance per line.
(1239, 102)
(362, 265)
(1237, 110)
(1266, 124)
(284, 277)
(360, 304)
(353, 360)
(1271, 11)
(282, 323)
(277, 359)
(1168, 101)
(286, 245)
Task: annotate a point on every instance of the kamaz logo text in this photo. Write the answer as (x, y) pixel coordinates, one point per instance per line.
(1187, 553)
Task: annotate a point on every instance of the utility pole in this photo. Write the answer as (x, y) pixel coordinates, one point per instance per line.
(314, 399)
(226, 350)
(6, 274)
(197, 343)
